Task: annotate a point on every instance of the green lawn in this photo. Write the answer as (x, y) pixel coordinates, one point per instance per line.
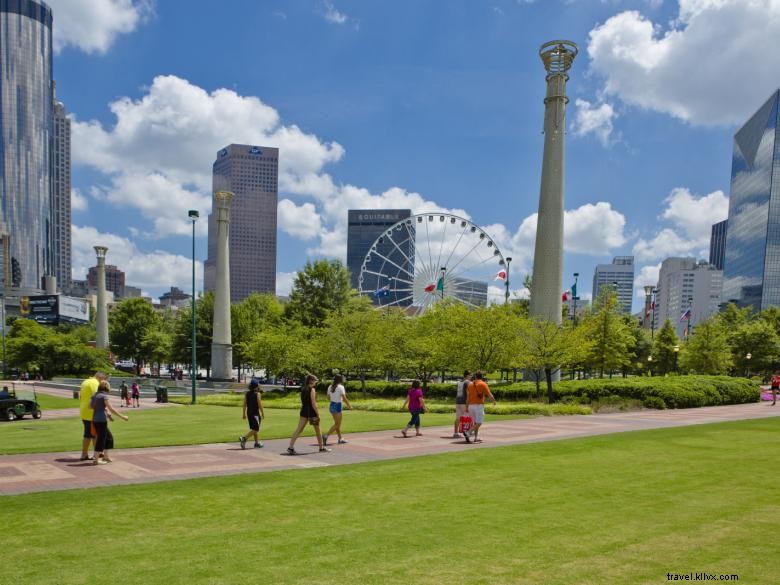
(46, 402)
(188, 425)
(624, 508)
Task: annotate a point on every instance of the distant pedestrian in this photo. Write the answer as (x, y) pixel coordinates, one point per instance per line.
(124, 394)
(416, 404)
(461, 404)
(135, 392)
(775, 387)
(478, 390)
(102, 414)
(86, 392)
(337, 397)
(253, 410)
(309, 414)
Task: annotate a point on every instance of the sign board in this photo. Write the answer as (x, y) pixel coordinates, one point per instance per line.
(42, 308)
(73, 310)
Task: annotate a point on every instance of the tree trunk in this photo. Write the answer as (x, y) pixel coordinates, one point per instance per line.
(548, 375)
(537, 379)
(363, 383)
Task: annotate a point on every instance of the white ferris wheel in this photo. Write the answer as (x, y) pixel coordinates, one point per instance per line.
(429, 257)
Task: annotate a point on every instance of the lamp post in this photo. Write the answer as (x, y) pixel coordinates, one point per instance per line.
(506, 284)
(443, 272)
(2, 323)
(676, 353)
(574, 298)
(748, 356)
(652, 319)
(650, 364)
(648, 294)
(193, 213)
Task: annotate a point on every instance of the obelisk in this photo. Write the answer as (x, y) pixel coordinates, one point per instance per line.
(101, 311)
(222, 341)
(547, 279)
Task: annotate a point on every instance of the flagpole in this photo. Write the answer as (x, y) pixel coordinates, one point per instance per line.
(506, 284)
(574, 298)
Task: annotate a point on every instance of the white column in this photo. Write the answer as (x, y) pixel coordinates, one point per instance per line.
(222, 339)
(101, 311)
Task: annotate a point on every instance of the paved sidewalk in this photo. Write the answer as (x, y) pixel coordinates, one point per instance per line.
(58, 471)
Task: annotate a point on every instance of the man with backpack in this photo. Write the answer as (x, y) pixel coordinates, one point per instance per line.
(461, 404)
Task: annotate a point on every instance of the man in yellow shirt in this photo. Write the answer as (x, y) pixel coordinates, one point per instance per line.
(88, 389)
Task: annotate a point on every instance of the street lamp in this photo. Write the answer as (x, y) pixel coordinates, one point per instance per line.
(506, 284)
(648, 294)
(193, 213)
(676, 353)
(748, 356)
(443, 271)
(574, 298)
(2, 323)
(650, 364)
(652, 319)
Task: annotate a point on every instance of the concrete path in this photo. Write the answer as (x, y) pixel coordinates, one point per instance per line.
(57, 471)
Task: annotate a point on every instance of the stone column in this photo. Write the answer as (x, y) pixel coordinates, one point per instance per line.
(101, 312)
(222, 339)
(547, 279)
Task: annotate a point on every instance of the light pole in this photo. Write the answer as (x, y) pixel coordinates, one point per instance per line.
(193, 213)
(648, 294)
(2, 322)
(506, 284)
(652, 319)
(441, 280)
(676, 353)
(748, 356)
(574, 298)
(650, 365)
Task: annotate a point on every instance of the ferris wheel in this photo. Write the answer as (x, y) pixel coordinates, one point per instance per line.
(429, 257)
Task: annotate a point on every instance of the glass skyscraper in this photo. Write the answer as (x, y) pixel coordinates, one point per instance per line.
(26, 139)
(751, 272)
(61, 215)
(718, 243)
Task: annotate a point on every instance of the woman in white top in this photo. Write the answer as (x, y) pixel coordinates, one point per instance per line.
(338, 397)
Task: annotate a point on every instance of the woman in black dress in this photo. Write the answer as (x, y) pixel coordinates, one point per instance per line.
(310, 414)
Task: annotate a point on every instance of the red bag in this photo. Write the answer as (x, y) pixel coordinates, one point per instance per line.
(465, 423)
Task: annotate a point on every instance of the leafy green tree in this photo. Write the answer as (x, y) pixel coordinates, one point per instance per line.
(707, 350)
(476, 339)
(664, 356)
(759, 339)
(320, 289)
(611, 337)
(284, 348)
(181, 351)
(128, 324)
(156, 345)
(251, 315)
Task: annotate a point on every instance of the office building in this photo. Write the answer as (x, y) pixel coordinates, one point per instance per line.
(472, 292)
(365, 226)
(688, 292)
(718, 243)
(251, 173)
(619, 274)
(751, 271)
(61, 197)
(26, 120)
(175, 298)
(115, 280)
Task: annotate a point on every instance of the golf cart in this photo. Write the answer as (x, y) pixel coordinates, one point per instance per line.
(14, 405)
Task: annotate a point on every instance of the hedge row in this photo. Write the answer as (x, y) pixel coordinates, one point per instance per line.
(654, 392)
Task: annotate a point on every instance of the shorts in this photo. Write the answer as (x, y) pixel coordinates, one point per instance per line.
(87, 429)
(461, 410)
(477, 412)
(336, 407)
(254, 422)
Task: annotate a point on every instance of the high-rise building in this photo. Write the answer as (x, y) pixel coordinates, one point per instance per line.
(718, 243)
(688, 292)
(619, 274)
(365, 226)
(751, 271)
(26, 120)
(115, 280)
(251, 173)
(61, 197)
(175, 298)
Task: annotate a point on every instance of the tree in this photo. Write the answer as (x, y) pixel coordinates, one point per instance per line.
(759, 339)
(707, 350)
(284, 348)
(254, 313)
(611, 337)
(130, 321)
(476, 339)
(156, 345)
(181, 351)
(320, 289)
(664, 356)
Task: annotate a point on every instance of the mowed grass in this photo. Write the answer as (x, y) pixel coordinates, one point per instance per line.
(623, 508)
(46, 402)
(190, 425)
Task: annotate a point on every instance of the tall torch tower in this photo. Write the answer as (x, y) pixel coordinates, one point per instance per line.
(547, 280)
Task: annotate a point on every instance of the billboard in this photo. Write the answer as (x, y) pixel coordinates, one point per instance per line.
(42, 308)
(73, 310)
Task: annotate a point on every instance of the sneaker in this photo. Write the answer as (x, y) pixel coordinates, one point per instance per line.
(291, 451)
(258, 445)
(403, 432)
(325, 439)
(324, 450)
(343, 441)
(85, 458)
(99, 462)
(242, 440)
(456, 435)
(466, 436)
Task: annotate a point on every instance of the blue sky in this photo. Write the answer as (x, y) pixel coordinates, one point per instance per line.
(412, 103)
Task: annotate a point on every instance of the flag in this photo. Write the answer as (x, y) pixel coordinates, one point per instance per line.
(501, 275)
(565, 295)
(574, 289)
(382, 292)
(652, 306)
(430, 288)
(686, 315)
(440, 284)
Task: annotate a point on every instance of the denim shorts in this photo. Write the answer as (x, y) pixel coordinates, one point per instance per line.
(336, 407)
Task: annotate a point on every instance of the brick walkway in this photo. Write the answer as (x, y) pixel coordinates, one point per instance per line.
(57, 471)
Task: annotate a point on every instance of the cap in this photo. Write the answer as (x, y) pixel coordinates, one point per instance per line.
(254, 383)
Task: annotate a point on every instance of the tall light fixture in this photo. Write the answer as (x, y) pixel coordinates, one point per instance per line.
(194, 215)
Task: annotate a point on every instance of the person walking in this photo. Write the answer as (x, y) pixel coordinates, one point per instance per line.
(477, 391)
(102, 414)
(337, 397)
(461, 404)
(124, 395)
(86, 392)
(416, 403)
(309, 414)
(252, 408)
(136, 394)
(775, 385)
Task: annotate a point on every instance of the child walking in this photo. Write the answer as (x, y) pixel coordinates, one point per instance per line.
(136, 394)
(253, 407)
(416, 404)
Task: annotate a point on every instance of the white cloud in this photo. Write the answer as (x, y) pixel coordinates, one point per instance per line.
(93, 25)
(709, 67)
(331, 14)
(284, 282)
(648, 275)
(300, 221)
(596, 119)
(143, 269)
(77, 201)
